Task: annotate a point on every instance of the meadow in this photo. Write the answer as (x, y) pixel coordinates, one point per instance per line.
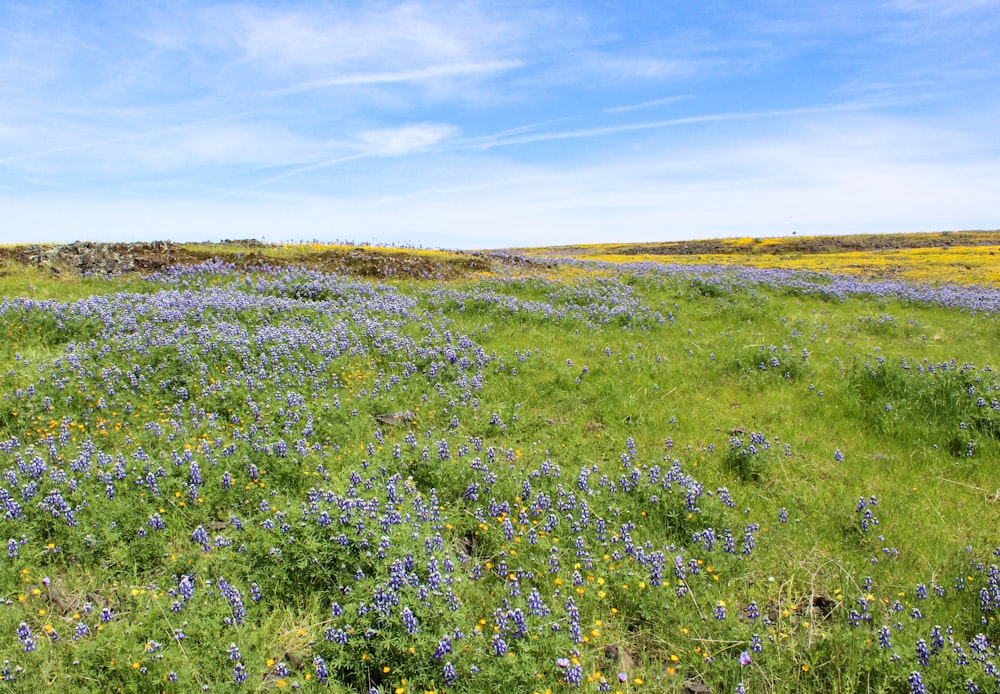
(498, 474)
(962, 257)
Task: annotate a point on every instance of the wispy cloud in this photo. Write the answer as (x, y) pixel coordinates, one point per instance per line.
(642, 68)
(324, 38)
(386, 142)
(405, 140)
(376, 39)
(417, 75)
(944, 8)
(648, 104)
(490, 142)
(115, 140)
(299, 170)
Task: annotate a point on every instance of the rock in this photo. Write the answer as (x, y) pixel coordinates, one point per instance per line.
(821, 605)
(395, 418)
(618, 658)
(695, 687)
(295, 659)
(108, 259)
(63, 602)
(466, 546)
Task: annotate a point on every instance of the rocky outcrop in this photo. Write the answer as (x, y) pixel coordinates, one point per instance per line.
(105, 259)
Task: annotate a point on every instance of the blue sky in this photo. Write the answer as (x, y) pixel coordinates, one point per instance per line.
(494, 124)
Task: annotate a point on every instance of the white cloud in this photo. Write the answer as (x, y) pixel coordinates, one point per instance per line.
(513, 137)
(641, 67)
(215, 141)
(377, 39)
(652, 103)
(309, 39)
(386, 142)
(404, 140)
(417, 75)
(943, 8)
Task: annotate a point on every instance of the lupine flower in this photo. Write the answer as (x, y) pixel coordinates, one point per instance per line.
(499, 645)
(923, 656)
(409, 620)
(720, 611)
(322, 673)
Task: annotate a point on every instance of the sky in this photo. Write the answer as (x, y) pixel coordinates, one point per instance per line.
(496, 124)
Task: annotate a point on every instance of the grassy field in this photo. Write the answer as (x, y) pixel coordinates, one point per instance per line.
(500, 476)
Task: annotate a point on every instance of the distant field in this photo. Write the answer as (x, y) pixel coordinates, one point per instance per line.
(239, 467)
(963, 257)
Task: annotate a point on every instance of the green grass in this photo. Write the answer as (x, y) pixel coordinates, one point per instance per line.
(573, 386)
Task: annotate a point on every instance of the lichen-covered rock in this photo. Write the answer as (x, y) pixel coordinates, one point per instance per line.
(106, 259)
